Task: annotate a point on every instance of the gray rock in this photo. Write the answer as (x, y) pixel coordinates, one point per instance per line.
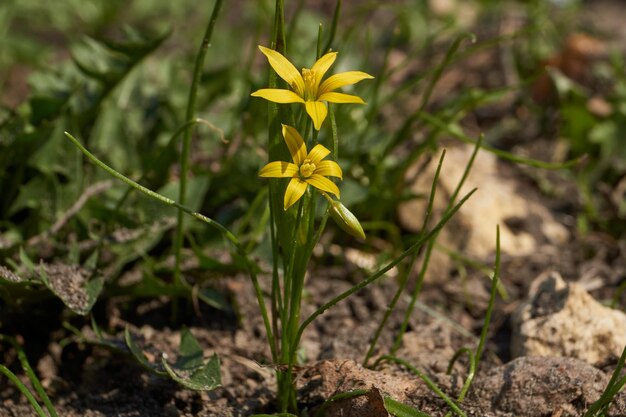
(537, 386)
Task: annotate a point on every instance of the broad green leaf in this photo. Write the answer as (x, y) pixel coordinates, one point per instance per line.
(214, 298)
(139, 355)
(75, 285)
(205, 378)
(189, 369)
(190, 352)
(78, 291)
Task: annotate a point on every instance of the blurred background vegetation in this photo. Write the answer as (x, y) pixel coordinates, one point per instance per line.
(116, 75)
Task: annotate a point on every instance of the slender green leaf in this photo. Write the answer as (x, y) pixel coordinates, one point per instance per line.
(398, 409)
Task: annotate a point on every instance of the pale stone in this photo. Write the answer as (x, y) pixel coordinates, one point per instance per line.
(498, 199)
(562, 319)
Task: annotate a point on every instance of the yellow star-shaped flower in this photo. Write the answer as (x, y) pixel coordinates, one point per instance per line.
(308, 87)
(307, 168)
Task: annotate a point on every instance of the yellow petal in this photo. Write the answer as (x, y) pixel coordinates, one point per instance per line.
(317, 111)
(333, 97)
(295, 190)
(295, 143)
(339, 80)
(322, 65)
(318, 153)
(328, 168)
(323, 183)
(284, 69)
(278, 95)
(278, 169)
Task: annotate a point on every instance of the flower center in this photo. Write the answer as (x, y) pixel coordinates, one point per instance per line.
(310, 89)
(307, 169)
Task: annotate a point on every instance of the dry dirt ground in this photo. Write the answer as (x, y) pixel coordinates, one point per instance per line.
(88, 380)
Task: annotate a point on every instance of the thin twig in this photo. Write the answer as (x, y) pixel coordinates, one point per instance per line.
(91, 191)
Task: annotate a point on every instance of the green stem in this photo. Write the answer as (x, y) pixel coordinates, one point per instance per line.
(618, 369)
(320, 230)
(333, 28)
(312, 239)
(286, 390)
(334, 132)
(492, 299)
(184, 154)
(165, 200)
(290, 313)
(23, 389)
(276, 299)
(288, 288)
(294, 279)
(305, 131)
(610, 391)
(279, 28)
(34, 380)
(30, 373)
(470, 374)
(320, 31)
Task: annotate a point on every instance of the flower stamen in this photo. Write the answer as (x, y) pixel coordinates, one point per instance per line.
(310, 87)
(307, 169)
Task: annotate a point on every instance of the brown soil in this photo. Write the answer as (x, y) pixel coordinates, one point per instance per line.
(88, 380)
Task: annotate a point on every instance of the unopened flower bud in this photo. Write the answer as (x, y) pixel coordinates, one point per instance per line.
(345, 219)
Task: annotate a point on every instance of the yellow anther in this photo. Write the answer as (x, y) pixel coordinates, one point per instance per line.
(307, 169)
(310, 89)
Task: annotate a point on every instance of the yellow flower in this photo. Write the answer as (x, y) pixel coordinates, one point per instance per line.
(308, 87)
(307, 168)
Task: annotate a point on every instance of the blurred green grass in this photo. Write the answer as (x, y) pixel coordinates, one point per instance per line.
(118, 73)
